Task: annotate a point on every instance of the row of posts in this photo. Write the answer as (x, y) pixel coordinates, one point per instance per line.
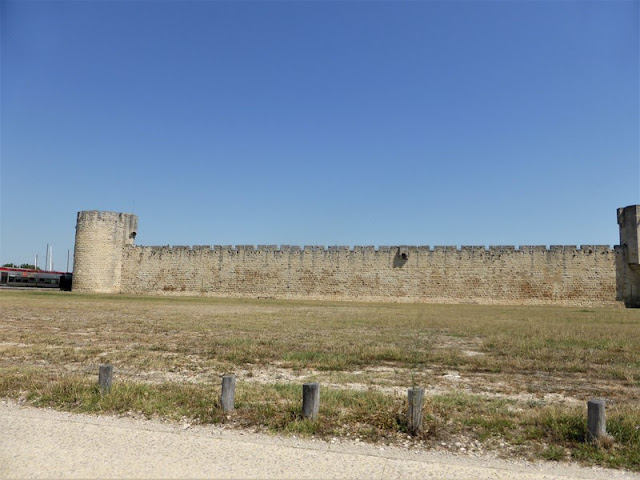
(310, 397)
(596, 420)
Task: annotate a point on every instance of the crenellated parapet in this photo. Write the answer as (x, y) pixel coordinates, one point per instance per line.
(106, 260)
(539, 275)
(385, 249)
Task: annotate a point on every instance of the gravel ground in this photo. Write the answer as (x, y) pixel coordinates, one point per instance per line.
(42, 443)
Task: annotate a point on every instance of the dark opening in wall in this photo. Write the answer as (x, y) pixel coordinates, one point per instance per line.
(401, 257)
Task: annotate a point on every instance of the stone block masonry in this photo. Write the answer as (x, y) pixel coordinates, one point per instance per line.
(98, 252)
(506, 275)
(106, 260)
(628, 267)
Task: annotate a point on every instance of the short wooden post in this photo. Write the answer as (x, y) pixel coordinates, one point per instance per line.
(596, 421)
(416, 397)
(310, 400)
(227, 398)
(105, 375)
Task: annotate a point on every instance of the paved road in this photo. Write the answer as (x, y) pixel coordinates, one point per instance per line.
(40, 443)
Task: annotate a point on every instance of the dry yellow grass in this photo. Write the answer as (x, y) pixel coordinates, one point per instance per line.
(490, 371)
(571, 352)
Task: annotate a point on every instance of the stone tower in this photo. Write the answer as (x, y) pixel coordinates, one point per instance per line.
(100, 240)
(628, 263)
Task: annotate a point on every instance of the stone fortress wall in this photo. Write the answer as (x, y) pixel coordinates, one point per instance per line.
(444, 274)
(106, 260)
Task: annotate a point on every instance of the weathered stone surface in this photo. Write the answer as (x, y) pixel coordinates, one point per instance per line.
(97, 258)
(628, 266)
(107, 261)
(510, 276)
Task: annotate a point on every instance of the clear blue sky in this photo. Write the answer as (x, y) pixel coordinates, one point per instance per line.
(324, 123)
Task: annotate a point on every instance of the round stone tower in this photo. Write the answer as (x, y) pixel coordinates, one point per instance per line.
(100, 240)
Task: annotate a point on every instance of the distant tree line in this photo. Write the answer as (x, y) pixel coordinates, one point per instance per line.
(24, 265)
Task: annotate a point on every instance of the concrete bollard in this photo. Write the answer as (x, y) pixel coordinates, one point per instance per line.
(310, 400)
(416, 397)
(105, 376)
(596, 420)
(228, 395)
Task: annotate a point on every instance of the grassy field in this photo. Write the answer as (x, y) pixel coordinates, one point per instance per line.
(511, 380)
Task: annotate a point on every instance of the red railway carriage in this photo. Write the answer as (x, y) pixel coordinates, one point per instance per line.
(24, 277)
